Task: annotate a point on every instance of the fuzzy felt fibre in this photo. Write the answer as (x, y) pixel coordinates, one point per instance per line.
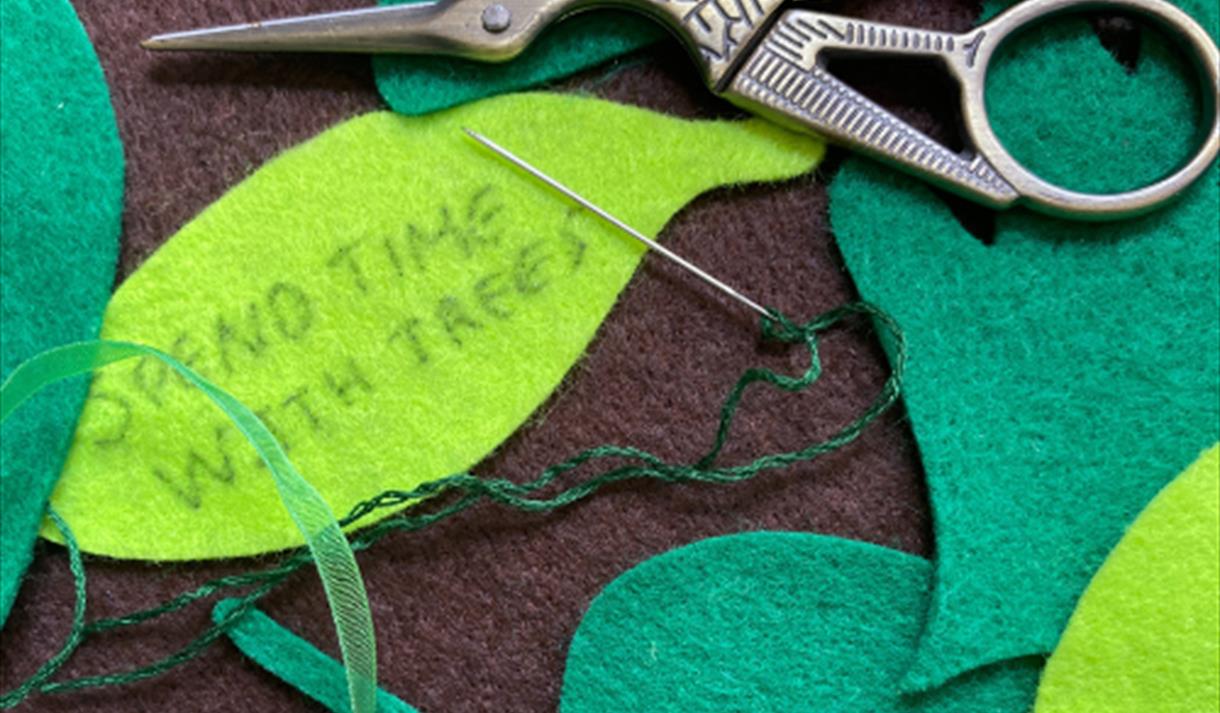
(770, 621)
(1146, 635)
(61, 188)
(1060, 373)
(391, 298)
(195, 124)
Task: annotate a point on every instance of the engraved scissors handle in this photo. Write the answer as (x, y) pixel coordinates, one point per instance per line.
(785, 78)
(772, 63)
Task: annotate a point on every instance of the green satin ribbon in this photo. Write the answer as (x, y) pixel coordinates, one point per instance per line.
(337, 567)
(294, 660)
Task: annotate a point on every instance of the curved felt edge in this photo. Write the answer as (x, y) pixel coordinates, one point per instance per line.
(296, 661)
(1146, 634)
(61, 188)
(423, 84)
(769, 621)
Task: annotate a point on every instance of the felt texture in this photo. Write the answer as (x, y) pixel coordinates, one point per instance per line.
(1152, 113)
(389, 289)
(423, 83)
(61, 188)
(1060, 373)
(297, 662)
(1146, 634)
(770, 621)
(477, 614)
(195, 124)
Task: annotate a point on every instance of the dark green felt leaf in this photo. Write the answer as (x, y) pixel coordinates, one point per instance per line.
(421, 84)
(770, 621)
(61, 181)
(1057, 378)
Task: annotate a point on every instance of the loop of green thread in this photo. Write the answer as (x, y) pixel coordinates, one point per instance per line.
(75, 636)
(336, 564)
(522, 496)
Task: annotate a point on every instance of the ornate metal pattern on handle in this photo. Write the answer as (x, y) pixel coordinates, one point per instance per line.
(783, 80)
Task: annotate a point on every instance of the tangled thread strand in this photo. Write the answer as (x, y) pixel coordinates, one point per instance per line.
(77, 634)
(504, 492)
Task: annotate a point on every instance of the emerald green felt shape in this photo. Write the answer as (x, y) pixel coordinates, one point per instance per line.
(296, 661)
(770, 621)
(61, 188)
(1057, 378)
(1074, 116)
(422, 84)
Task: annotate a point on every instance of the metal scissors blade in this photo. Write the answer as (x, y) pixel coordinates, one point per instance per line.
(441, 27)
(394, 28)
(772, 61)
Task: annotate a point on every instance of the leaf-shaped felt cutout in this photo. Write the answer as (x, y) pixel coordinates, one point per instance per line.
(61, 194)
(770, 621)
(1146, 634)
(1058, 378)
(391, 298)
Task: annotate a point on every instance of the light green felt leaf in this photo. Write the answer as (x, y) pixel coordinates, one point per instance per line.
(1146, 636)
(390, 298)
(1058, 378)
(770, 621)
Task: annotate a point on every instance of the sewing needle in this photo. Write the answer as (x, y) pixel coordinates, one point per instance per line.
(601, 213)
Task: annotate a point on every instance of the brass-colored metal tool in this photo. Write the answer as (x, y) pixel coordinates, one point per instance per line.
(771, 61)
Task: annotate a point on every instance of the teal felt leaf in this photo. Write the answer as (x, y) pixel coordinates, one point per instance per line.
(1059, 377)
(296, 661)
(61, 187)
(422, 84)
(770, 621)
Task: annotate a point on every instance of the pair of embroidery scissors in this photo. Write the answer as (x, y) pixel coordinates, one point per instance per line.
(772, 61)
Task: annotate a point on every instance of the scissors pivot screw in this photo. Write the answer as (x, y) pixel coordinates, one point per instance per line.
(497, 18)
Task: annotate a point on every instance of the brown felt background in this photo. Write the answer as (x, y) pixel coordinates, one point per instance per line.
(476, 614)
